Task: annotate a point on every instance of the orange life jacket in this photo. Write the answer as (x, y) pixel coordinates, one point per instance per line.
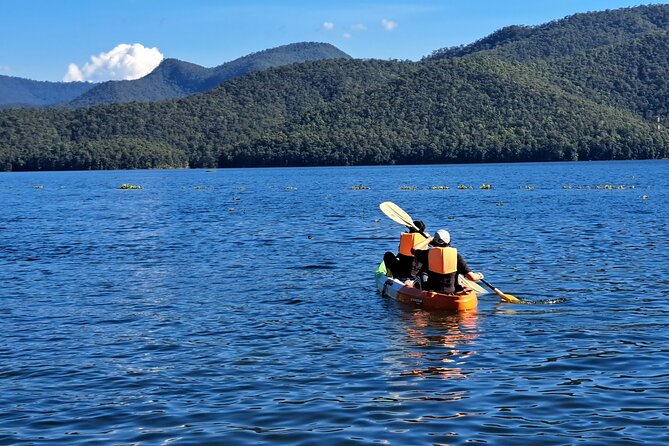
(407, 242)
(442, 260)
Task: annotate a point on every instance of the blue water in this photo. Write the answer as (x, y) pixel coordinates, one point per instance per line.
(238, 307)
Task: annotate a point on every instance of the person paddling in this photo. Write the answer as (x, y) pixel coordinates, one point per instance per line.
(400, 265)
(443, 264)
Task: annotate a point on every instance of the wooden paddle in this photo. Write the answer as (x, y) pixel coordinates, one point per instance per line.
(505, 297)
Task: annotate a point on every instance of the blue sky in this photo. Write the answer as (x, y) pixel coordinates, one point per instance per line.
(41, 38)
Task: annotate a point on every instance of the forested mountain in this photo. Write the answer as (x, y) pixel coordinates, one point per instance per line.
(632, 75)
(174, 78)
(200, 128)
(18, 92)
(565, 37)
(466, 110)
(596, 102)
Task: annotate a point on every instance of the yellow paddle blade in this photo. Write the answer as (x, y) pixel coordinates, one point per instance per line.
(510, 298)
(505, 297)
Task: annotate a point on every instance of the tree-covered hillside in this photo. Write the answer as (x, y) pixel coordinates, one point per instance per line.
(174, 78)
(18, 92)
(202, 127)
(466, 110)
(340, 112)
(565, 37)
(632, 75)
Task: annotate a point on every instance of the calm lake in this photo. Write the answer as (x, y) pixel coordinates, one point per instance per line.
(236, 307)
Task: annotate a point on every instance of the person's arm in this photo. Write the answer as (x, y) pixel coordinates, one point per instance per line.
(464, 269)
(421, 245)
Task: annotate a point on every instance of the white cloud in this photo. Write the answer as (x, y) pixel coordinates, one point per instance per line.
(388, 25)
(346, 35)
(124, 62)
(359, 27)
(5, 69)
(328, 26)
(73, 74)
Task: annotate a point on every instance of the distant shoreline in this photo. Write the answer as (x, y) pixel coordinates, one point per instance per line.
(342, 166)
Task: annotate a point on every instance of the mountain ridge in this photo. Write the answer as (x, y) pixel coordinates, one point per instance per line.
(172, 78)
(18, 92)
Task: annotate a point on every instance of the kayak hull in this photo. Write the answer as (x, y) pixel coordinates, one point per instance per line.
(427, 300)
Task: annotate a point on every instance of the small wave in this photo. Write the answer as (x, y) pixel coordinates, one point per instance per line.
(557, 300)
(315, 267)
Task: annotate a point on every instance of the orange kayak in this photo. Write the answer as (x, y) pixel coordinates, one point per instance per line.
(428, 300)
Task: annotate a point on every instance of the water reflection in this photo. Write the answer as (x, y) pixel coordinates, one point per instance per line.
(440, 344)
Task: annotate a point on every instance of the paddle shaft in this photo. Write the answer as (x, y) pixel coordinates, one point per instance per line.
(503, 296)
(488, 284)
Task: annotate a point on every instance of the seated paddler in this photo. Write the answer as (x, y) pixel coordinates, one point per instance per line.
(400, 265)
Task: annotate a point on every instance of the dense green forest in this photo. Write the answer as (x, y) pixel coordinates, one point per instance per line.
(565, 37)
(466, 110)
(632, 75)
(203, 127)
(598, 100)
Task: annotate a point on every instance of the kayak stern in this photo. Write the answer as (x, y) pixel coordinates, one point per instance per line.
(428, 300)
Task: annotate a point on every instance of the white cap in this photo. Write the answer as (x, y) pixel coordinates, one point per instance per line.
(442, 237)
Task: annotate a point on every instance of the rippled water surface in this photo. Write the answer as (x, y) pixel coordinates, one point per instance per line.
(238, 307)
